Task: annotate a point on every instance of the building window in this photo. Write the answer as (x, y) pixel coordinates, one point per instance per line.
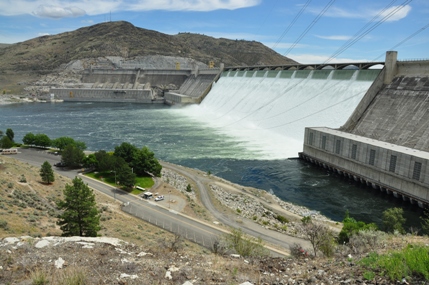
(338, 147)
(392, 165)
(324, 142)
(354, 151)
(417, 170)
(310, 139)
(371, 157)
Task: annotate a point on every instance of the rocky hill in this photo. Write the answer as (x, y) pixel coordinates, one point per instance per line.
(24, 62)
(45, 53)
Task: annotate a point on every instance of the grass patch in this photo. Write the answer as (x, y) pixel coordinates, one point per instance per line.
(410, 261)
(109, 178)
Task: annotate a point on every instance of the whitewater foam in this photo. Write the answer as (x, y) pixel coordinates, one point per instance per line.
(268, 115)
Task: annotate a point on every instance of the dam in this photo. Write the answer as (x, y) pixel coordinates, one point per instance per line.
(383, 144)
(366, 124)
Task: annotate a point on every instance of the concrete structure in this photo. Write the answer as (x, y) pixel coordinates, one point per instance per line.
(384, 143)
(140, 86)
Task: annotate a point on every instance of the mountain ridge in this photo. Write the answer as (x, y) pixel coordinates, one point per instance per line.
(124, 39)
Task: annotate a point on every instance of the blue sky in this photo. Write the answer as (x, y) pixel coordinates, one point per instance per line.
(308, 31)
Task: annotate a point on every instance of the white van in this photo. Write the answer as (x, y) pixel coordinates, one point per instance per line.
(9, 151)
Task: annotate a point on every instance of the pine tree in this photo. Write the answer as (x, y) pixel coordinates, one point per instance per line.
(80, 216)
(47, 173)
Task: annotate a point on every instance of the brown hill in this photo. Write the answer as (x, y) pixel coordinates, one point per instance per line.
(45, 53)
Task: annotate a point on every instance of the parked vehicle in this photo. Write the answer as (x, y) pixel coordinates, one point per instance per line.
(9, 151)
(159, 198)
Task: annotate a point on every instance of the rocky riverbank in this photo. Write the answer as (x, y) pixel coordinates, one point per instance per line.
(256, 205)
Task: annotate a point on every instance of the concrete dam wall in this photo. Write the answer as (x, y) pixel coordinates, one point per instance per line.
(385, 142)
(139, 86)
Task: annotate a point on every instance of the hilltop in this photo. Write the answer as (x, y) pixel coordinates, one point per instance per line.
(24, 62)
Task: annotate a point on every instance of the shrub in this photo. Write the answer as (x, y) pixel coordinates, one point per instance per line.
(297, 251)
(39, 278)
(410, 261)
(282, 219)
(3, 225)
(393, 220)
(244, 246)
(351, 226)
(22, 179)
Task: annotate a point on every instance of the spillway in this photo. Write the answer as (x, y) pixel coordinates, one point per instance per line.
(267, 111)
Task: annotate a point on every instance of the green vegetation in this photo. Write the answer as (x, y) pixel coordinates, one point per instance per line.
(351, 226)
(109, 178)
(80, 216)
(10, 134)
(47, 173)
(393, 220)
(246, 247)
(282, 219)
(410, 261)
(425, 222)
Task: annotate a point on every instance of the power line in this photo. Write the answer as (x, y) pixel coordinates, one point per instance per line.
(291, 24)
(324, 10)
(404, 40)
(356, 39)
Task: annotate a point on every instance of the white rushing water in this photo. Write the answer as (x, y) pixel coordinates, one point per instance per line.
(267, 111)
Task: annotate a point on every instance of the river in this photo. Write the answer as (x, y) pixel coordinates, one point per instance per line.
(175, 137)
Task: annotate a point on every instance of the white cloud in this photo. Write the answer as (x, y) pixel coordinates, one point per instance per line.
(398, 13)
(75, 8)
(56, 12)
(191, 5)
(335, 38)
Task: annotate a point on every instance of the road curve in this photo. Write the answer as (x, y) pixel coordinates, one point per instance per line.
(247, 226)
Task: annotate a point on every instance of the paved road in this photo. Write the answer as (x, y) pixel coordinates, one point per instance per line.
(194, 230)
(246, 225)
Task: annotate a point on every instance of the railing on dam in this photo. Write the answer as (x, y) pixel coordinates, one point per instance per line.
(336, 66)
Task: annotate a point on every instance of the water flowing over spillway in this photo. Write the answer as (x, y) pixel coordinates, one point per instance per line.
(267, 111)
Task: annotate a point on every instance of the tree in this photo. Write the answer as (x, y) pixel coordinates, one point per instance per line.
(393, 220)
(145, 162)
(127, 151)
(62, 142)
(90, 161)
(5, 142)
(29, 139)
(72, 156)
(125, 176)
(10, 134)
(42, 140)
(320, 237)
(106, 162)
(47, 173)
(80, 216)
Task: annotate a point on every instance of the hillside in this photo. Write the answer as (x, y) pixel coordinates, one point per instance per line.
(23, 63)
(45, 53)
(130, 251)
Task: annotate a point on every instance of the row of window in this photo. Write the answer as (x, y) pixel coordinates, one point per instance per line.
(372, 155)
